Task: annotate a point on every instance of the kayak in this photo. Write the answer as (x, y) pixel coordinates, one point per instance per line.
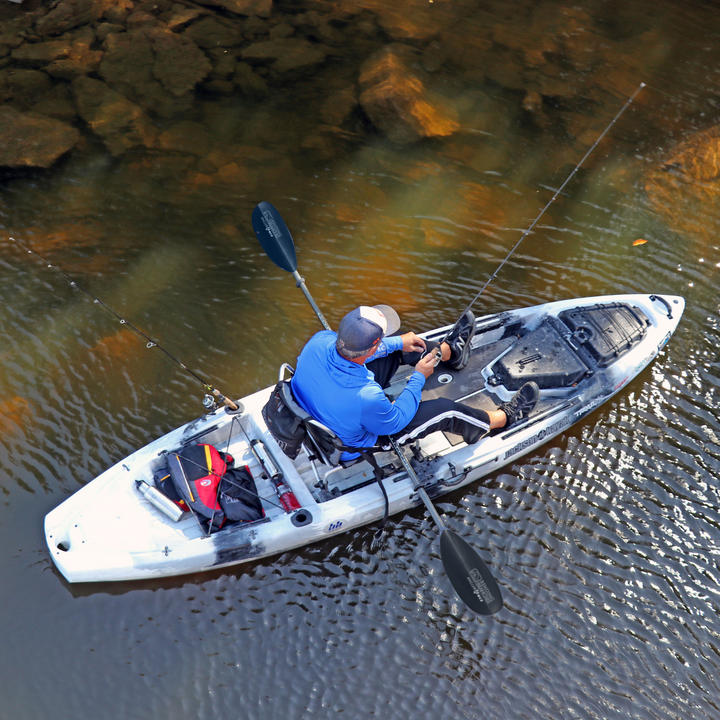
(580, 352)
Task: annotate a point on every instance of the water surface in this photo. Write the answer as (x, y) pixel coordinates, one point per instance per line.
(605, 541)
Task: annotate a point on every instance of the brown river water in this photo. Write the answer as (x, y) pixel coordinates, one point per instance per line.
(605, 541)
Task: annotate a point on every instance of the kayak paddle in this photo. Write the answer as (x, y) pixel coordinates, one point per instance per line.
(469, 575)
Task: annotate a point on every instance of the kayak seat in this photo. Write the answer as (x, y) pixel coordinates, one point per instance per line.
(319, 441)
(322, 442)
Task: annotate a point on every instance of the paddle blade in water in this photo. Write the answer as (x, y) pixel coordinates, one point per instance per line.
(469, 575)
(274, 236)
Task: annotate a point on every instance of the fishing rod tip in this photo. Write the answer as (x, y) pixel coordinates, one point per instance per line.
(642, 85)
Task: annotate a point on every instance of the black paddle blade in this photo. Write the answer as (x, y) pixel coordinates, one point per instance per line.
(469, 575)
(274, 236)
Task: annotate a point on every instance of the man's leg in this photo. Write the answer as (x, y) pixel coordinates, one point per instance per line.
(450, 416)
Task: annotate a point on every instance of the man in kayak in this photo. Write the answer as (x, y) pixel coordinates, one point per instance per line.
(340, 378)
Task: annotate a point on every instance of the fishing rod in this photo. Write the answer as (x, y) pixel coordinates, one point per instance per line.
(217, 395)
(535, 221)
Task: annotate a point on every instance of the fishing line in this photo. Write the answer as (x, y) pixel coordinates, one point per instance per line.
(150, 342)
(542, 212)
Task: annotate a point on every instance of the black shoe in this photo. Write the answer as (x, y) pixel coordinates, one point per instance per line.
(460, 340)
(522, 403)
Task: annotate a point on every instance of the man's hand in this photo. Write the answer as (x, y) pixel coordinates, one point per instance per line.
(426, 366)
(412, 343)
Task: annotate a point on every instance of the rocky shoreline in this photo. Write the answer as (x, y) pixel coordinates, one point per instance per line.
(169, 86)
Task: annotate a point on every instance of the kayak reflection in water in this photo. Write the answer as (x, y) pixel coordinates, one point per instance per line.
(341, 376)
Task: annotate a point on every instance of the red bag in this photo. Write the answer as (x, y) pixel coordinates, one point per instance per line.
(196, 472)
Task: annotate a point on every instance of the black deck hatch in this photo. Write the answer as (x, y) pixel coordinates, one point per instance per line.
(542, 355)
(606, 331)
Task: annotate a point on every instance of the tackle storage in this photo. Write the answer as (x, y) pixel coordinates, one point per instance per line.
(543, 355)
(606, 331)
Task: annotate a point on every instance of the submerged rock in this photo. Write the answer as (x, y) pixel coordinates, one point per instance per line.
(120, 123)
(397, 102)
(23, 87)
(249, 82)
(211, 33)
(179, 63)
(689, 178)
(29, 140)
(338, 106)
(154, 67)
(57, 104)
(262, 8)
(284, 54)
(67, 14)
(38, 54)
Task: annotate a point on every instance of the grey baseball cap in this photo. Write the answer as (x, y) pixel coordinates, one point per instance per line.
(363, 326)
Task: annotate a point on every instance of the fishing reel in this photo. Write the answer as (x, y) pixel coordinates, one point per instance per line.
(209, 403)
(436, 353)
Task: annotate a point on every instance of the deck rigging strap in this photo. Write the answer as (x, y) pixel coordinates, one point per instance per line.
(150, 342)
(542, 212)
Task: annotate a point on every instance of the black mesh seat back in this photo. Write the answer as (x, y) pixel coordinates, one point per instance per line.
(325, 443)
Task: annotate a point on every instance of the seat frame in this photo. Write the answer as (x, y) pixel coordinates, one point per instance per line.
(322, 443)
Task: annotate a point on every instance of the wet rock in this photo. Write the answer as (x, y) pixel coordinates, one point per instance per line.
(154, 67)
(57, 104)
(186, 138)
(107, 28)
(24, 87)
(120, 123)
(396, 101)
(689, 178)
(67, 14)
(180, 15)
(38, 54)
(262, 8)
(338, 106)
(210, 33)
(80, 60)
(179, 62)
(284, 55)
(29, 140)
(249, 82)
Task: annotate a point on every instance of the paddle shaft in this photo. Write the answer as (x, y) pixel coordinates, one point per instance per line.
(300, 282)
(417, 485)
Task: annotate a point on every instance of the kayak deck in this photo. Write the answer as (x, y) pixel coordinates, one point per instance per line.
(109, 531)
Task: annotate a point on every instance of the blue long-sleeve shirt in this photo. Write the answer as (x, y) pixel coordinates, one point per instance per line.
(344, 395)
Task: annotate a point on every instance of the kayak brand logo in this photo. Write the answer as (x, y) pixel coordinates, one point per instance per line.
(479, 586)
(333, 526)
(539, 436)
(271, 225)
